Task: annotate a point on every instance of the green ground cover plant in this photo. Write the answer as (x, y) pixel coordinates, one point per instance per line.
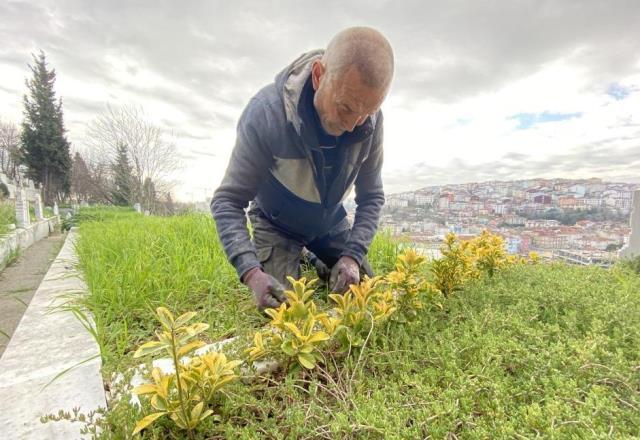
(532, 351)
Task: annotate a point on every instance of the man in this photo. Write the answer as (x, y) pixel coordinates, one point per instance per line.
(302, 143)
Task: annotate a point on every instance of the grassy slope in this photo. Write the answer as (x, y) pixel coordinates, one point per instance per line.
(548, 349)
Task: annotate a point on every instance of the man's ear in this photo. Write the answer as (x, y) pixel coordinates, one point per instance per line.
(317, 71)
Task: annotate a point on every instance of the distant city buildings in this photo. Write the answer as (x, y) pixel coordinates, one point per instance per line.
(545, 215)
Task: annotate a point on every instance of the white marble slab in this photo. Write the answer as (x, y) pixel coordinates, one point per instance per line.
(46, 343)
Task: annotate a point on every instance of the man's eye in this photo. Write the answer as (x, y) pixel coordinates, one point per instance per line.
(345, 109)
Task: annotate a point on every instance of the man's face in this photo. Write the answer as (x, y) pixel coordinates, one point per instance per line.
(342, 101)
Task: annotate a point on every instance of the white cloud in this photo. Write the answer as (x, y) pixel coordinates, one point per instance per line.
(431, 133)
(463, 70)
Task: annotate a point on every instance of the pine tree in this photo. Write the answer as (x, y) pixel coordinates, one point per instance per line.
(44, 146)
(123, 190)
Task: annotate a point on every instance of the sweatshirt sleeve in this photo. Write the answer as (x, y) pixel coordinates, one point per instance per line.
(369, 199)
(249, 165)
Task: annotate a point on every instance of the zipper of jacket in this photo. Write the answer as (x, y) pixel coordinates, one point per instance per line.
(320, 178)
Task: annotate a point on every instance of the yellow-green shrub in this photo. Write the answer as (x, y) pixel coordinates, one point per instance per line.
(487, 253)
(408, 284)
(298, 332)
(454, 268)
(361, 307)
(462, 261)
(295, 332)
(185, 395)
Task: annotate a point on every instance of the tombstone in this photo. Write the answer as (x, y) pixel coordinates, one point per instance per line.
(632, 248)
(22, 209)
(137, 207)
(146, 212)
(56, 210)
(37, 203)
(84, 204)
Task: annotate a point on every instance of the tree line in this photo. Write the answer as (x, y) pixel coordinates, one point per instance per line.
(130, 160)
(126, 158)
(571, 217)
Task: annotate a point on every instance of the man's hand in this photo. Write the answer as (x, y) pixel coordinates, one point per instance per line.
(345, 272)
(267, 291)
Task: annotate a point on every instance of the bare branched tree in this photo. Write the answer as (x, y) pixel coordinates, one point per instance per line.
(91, 178)
(86, 184)
(152, 151)
(10, 151)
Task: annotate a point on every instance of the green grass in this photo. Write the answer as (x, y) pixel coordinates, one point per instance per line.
(11, 258)
(7, 215)
(133, 265)
(548, 350)
(632, 264)
(383, 253)
(99, 214)
(46, 212)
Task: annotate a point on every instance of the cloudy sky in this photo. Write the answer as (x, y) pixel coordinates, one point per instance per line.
(483, 89)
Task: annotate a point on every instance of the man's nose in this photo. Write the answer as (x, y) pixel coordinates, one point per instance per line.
(358, 120)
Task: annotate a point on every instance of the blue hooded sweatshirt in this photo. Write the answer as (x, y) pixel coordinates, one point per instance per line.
(275, 164)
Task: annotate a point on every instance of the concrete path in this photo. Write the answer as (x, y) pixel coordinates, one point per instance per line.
(20, 280)
(51, 363)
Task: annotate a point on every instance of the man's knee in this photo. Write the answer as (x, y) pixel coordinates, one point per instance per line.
(280, 262)
(278, 254)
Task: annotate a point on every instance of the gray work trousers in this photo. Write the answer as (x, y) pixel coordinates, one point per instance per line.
(280, 253)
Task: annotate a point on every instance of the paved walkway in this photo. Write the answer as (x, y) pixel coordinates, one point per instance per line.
(20, 280)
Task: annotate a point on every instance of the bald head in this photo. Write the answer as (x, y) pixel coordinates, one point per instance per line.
(351, 79)
(364, 49)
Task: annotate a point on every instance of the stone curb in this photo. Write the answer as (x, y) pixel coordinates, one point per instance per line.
(46, 343)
